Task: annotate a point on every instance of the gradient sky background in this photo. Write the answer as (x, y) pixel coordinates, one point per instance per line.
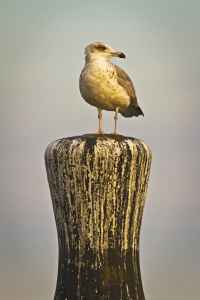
(42, 55)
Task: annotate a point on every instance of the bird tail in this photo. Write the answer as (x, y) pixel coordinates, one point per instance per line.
(131, 111)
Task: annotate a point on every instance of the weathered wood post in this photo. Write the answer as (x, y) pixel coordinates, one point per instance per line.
(98, 187)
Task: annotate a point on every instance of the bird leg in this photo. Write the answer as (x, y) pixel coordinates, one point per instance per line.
(100, 119)
(116, 118)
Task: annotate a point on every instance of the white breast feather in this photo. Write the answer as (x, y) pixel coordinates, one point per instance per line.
(99, 86)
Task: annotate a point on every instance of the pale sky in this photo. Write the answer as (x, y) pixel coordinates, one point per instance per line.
(42, 55)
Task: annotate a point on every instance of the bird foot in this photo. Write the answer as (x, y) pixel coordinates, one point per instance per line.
(99, 132)
(102, 133)
(115, 133)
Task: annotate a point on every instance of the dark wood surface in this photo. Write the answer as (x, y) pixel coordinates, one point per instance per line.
(98, 186)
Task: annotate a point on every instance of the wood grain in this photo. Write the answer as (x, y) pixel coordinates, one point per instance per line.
(98, 186)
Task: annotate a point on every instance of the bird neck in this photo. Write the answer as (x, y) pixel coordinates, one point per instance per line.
(94, 58)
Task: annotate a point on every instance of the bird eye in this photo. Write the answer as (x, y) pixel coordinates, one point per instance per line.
(102, 48)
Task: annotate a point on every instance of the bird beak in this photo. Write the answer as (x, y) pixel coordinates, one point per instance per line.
(119, 54)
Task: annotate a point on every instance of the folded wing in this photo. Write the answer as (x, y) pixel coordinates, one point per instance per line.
(124, 80)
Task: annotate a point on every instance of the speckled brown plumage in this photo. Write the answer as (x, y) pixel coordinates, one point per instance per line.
(105, 85)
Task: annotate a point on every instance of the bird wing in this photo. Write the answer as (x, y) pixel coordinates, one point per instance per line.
(125, 81)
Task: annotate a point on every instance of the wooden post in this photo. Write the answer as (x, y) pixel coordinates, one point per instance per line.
(98, 187)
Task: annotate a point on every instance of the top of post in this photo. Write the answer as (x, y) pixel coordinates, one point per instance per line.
(97, 137)
(99, 140)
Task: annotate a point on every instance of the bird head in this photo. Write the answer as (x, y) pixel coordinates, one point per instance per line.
(101, 51)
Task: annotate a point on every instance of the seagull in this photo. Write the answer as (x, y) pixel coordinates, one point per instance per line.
(106, 86)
